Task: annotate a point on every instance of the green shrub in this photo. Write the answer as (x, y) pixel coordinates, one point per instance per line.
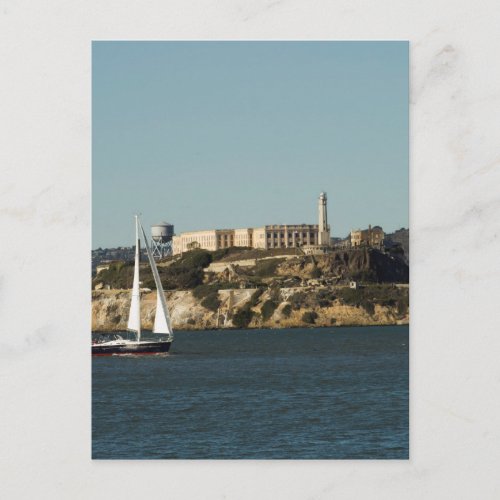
(194, 259)
(211, 301)
(254, 300)
(255, 281)
(326, 295)
(242, 318)
(403, 305)
(117, 266)
(267, 268)
(150, 283)
(121, 275)
(351, 296)
(316, 272)
(297, 300)
(275, 293)
(227, 285)
(310, 317)
(368, 306)
(366, 276)
(226, 252)
(175, 276)
(203, 290)
(190, 278)
(219, 254)
(388, 302)
(368, 297)
(287, 310)
(268, 309)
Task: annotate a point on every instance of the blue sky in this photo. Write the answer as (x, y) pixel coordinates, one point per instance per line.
(242, 134)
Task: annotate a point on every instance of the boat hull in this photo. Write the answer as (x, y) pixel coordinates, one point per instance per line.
(138, 348)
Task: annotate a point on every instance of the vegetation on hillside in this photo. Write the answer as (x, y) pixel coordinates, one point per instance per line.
(183, 273)
(211, 301)
(242, 317)
(267, 268)
(268, 309)
(365, 297)
(291, 289)
(310, 317)
(320, 281)
(287, 310)
(383, 295)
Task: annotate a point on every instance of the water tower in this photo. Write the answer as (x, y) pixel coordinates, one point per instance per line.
(161, 239)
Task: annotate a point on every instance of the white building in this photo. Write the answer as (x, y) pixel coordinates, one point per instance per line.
(308, 236)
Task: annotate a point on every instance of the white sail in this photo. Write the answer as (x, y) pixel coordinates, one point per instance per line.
(162, 319)
(161, 323)
(134, 318)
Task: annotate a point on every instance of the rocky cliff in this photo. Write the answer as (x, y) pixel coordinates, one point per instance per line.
(365, 264)
(253, 308)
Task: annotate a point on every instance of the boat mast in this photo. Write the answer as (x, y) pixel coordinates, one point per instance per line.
(136, 274)
(134, 319)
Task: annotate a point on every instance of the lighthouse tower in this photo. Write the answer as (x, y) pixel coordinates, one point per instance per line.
(324, 228)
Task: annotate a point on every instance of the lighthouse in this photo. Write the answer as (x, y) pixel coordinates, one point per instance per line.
(323, 227)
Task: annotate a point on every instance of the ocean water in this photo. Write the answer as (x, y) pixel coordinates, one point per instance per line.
(329, 393)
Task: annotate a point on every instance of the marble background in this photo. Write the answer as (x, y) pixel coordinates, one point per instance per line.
(45, 206)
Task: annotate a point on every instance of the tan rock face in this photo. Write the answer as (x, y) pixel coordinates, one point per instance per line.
(110, 311)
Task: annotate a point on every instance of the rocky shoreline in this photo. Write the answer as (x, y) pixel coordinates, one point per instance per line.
(262, 309)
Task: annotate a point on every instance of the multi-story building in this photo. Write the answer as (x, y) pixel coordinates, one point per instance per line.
(271, 236)
(209, 240)
(243, 237)
(371, 237)
(285, 236)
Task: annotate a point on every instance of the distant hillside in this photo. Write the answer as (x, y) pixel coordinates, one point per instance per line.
(401, 238)
(103, 255)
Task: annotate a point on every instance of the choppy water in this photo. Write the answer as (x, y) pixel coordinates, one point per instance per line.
(257, 394)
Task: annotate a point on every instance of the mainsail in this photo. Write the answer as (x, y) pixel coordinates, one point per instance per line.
(162, 319)
(134, 318)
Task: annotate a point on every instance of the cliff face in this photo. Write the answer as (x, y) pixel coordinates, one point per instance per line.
(261, 289)
(365, 264)
(110, 310)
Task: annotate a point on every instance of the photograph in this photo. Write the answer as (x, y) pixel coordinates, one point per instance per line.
(250, 293)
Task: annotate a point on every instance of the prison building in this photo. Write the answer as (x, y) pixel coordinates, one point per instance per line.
(271, 236)
(307, 236)
(371, 237)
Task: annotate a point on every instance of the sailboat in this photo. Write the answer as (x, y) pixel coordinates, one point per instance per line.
(116, 344)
